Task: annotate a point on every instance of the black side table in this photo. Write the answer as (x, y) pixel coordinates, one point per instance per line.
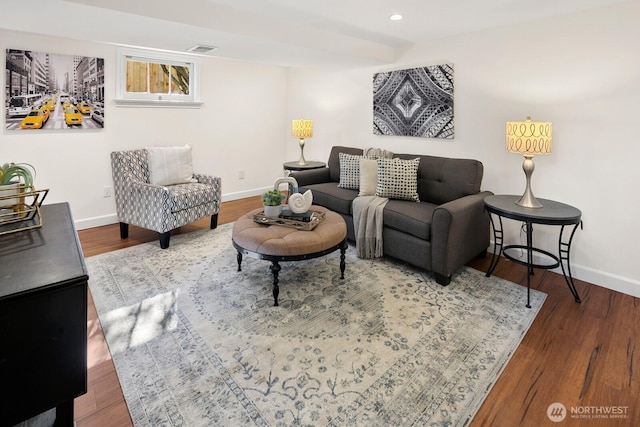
(295, 166)
(551, 213)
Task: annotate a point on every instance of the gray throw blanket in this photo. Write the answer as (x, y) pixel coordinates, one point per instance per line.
(367, 223)
(377, 153)
(368, 217)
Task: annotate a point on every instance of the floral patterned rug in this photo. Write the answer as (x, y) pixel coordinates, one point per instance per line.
(197, 343)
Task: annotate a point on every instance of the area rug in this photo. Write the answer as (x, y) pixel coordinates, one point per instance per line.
(197, 343)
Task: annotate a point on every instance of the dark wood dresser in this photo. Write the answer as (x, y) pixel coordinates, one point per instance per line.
(43, 319)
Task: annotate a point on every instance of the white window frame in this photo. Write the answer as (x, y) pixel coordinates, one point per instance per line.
(124, 98)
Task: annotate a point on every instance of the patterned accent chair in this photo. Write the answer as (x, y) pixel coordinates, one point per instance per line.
(156, 207)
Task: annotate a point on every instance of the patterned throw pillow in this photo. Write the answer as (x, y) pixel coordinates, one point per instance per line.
(398, 179)
(349, 171)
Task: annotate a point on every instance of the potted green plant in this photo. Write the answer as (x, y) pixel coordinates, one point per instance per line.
(272, 200)
(14, 178)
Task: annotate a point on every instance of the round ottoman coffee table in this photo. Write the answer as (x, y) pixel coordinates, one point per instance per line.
(277, 243)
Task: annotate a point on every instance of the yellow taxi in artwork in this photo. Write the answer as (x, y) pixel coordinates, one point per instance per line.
(72, 116)
(49, 104)
(84, 108)
(36, 119)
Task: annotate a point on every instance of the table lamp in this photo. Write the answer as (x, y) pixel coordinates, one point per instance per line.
(529, 138)
(302, 129)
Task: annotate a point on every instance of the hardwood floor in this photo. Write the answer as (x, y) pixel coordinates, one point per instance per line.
(584, 356)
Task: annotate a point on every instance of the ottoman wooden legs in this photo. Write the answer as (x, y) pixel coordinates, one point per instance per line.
(275, 263)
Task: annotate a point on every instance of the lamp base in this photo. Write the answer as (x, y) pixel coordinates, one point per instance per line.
(302, 161)
(528, 200)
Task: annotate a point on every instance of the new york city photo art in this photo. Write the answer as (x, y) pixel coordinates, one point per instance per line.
(52, 91)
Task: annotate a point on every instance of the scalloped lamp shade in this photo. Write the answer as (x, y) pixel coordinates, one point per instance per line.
(302, 129)
(529, 138)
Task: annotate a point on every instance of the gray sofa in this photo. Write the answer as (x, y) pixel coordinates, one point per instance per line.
(442, 232)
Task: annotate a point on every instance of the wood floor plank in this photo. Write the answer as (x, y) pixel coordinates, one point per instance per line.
(581, 355)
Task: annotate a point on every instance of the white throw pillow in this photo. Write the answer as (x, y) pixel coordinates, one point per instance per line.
(368, 177)
(170, 165)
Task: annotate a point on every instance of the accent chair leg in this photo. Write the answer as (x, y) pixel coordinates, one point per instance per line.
(443, 280)
(124, 230)
(214, 221)
(164, 239)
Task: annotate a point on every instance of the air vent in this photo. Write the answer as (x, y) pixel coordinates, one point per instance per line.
(202, 49)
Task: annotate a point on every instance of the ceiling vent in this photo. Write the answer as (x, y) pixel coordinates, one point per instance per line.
(200, 48)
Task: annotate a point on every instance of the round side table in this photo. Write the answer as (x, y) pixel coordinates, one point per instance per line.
(295, 166)
(551, 213)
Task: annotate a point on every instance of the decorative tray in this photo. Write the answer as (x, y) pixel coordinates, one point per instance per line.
(316, 218)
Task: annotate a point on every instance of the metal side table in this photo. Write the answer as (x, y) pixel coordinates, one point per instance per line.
(294, 166)
(551, 213)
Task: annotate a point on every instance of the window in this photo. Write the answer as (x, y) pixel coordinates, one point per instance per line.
(157, 78)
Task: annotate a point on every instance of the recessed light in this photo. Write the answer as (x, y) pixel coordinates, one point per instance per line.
(396, 17)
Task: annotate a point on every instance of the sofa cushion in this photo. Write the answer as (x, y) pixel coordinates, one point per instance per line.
(409, 217)
(441, 179)
(328, 194)
(398, 179)
(186, 196)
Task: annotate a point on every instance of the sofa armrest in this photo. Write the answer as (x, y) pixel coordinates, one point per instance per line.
(459, 232)
(312, 176)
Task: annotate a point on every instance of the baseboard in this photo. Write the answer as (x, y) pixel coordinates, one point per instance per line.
(605, 279)
(244, 194)
(97, 221)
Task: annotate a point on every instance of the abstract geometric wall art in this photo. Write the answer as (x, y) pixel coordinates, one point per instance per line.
(414, 102)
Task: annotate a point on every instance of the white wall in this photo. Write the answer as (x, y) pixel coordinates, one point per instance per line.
(581, 72)
(242, 125)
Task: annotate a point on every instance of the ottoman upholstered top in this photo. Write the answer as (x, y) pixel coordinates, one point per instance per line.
(285, 241)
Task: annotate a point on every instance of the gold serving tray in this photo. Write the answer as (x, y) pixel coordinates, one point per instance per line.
(316, 218)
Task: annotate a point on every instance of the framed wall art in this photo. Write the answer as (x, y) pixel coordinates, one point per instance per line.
(51, 91)
(414, 102)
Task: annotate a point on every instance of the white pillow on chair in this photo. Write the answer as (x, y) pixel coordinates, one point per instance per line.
(170, 165)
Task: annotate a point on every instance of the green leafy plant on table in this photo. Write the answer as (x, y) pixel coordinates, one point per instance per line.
(272, 198)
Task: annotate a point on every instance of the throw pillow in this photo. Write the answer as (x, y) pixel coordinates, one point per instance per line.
(368, 177)
(169, 165)
(349, 171)
(398, 179)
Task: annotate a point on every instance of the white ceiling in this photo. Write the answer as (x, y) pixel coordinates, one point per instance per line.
(281, 32)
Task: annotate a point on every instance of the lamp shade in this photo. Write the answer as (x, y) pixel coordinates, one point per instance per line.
(302, 128)
(529, 138)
